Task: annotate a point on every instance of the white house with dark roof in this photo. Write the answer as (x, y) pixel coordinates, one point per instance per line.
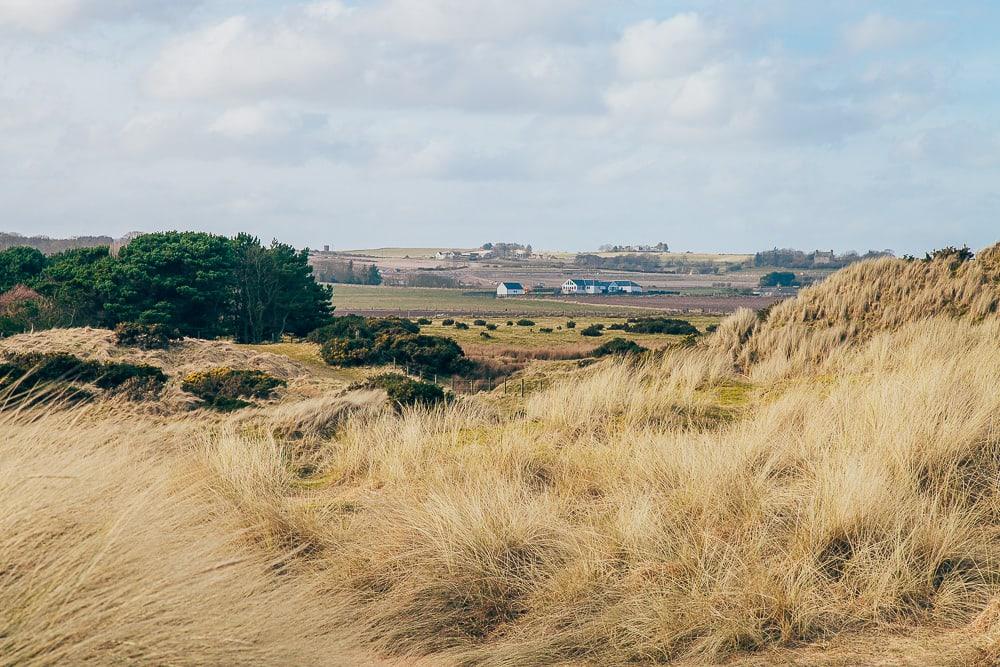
(510, 289)
(624, 287)
(584, 286)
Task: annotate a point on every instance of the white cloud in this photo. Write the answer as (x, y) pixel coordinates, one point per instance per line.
(238, 57)
(652, 49)
(878, 31)
(38, 16)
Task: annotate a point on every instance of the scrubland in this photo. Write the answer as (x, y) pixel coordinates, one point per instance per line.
(815, 486)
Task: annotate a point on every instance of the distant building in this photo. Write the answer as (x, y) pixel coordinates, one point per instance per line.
(624, 287)
(821, 258)
(510, 289)
(584, 286)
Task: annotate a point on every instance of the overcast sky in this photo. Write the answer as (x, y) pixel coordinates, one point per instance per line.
(710, 125)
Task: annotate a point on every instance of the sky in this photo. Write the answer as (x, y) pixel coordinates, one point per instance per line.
(710, 125)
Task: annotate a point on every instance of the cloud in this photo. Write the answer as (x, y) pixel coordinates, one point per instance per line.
(652, 49)
(335, 55)
(879, 32)
(48, 16)
(961, 144)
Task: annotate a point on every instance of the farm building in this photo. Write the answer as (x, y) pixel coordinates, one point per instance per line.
(624, 287)
(510, 289)
(584, 286)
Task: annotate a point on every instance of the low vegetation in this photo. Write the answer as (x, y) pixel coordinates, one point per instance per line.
(814, 486)
(225, 388)
(405, 392)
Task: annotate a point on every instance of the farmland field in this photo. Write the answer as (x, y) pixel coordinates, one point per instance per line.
(368, 300)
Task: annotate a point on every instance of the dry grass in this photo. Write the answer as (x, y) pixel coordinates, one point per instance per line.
(840, 506)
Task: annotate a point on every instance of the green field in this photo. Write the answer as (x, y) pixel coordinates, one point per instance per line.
(362, 298)
(532, 338)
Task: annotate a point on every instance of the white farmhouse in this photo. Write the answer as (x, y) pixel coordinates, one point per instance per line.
(584, 286)
(624, 287)
(510, 289)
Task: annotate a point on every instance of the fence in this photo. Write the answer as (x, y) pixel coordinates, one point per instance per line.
(509, 385)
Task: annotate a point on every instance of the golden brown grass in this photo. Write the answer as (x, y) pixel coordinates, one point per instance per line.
(828, 502)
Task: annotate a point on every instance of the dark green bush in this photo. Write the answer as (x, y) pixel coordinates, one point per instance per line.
(591, 331)
(570, 324)
(225, 388)
(510, 323)
(379, 325)
(434, 354)
(423, 321)
(479, 323)
(619, 347)
(525, 323)
(345, 326)
(349, 352)
(617, 326)
(545, 329)
(711, 328)
(145, 336)
(662, 325)
(403, 391)
(461, 325)
(447, 322)
(38, 368)
(484, 334)
(491, 327)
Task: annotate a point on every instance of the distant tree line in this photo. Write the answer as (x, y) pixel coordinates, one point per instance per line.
(49, 246)
(347, 273)
(630, 262)
(797, 259)
(508, 250)
(195, 283)
(659, 247)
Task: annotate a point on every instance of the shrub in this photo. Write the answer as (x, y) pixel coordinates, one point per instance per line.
(662, 325)
(38, 368)
(570, 324)
(377, 325)
(348, 352)
(545, 329)
(480, 323)
(491, 327)
(711, 328)
(510, 323)
(145, 336)
(447, 322)
(404, 391)
(423, 321)
(525, 323)
(225, 388)
(778, 279)
(591, 331)
(436, 354)
(619, 347)
(461, 325)
(346, 326)
(484, 334)
(617, 326)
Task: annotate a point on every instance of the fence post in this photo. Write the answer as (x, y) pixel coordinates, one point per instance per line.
(522, 387)
(505, 386)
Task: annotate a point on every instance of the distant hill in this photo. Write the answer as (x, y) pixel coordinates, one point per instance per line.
(51, 246)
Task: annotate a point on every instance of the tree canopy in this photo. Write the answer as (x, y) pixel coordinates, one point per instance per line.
(197, 283)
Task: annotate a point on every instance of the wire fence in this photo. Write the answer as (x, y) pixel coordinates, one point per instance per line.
(508, 385)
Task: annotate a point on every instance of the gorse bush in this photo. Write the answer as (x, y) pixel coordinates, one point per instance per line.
(355, 326)
(461, 325)
(30, 370)
(406, 392)
(525, 323)
(491, 327)
(145, 336)
(447, 322)
(479, 323)
(545, 329)
(619, 347)
(658, 325)
(591, 331)
(225, 388)
(570, 324)
(423, 321)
